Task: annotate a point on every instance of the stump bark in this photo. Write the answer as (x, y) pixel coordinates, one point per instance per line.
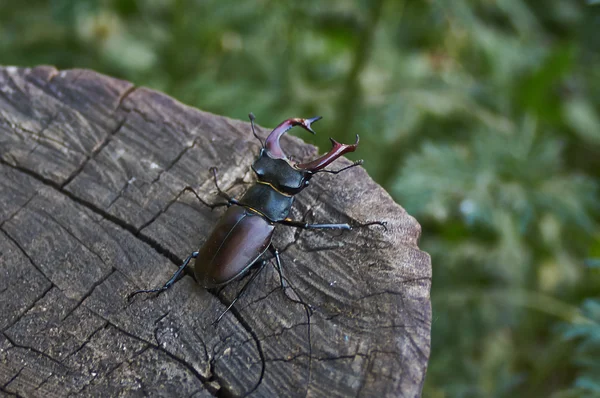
(92, 178)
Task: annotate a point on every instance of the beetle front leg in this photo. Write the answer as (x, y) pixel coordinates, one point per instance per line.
(251, 116)
(304, 225)
(211, 205)
(346, 227)
(357, 163)
(174, 278)
(230, 200)
(223, 194)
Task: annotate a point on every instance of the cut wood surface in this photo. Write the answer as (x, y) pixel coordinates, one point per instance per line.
(93, 174)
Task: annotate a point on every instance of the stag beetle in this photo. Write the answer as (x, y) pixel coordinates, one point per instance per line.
(244, 232)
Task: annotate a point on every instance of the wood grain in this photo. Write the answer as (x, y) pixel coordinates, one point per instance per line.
(92, 178)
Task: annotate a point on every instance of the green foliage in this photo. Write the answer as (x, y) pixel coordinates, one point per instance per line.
(587, 333)
(480, 117)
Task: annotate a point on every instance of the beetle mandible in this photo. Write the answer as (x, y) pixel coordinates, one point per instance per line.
(244, 232)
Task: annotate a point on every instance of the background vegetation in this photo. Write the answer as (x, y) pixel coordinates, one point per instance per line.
(481, 117)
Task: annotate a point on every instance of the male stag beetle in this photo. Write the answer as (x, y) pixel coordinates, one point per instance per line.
(244, 232)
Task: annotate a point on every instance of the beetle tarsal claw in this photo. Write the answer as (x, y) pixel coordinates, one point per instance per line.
(380, 223)
(370, 223)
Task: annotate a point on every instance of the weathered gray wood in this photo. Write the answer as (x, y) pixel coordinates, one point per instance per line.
(92, 172)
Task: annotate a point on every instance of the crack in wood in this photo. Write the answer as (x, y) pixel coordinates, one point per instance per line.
(173, 162)
(176, 198)
(10, 394)
(111, 370)
(72, 235)
(14, 87)
(41, 385)
(94, 153)
(158, 214)
(279, 332)
(90, 291)
(35, 350)
(249, 304)
(49, 86)
(14, 377)
(416, 346)
(85, 343)
(39, 135)
(11, 216)
(28, 308)
(161, 123)
(14, 241)
(108, 138)
(120, 193)
(124, 95)
(249, 329)
(156, 346)
(87, 340)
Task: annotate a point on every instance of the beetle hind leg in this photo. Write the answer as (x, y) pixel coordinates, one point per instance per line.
(285, 284)
(174, 278)
(307, 308)
(241, 292)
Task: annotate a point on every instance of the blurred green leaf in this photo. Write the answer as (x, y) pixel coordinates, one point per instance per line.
(583, 118)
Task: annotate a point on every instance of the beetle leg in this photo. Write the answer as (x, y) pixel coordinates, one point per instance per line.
(211, 205)
(347, 227)
(304, 225)
(223, 194)
(380, 223)
(285, 284)
(278, 267)
(357, 163)
(251, 116)
(307, 307)
(174, 278)
(241, 292)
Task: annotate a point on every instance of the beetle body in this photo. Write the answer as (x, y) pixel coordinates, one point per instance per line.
(240, 237)
(245, 231)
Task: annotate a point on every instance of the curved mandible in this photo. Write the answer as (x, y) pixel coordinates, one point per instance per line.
(272, 141)
(336, 151)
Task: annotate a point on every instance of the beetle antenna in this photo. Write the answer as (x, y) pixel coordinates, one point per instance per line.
(251, 116)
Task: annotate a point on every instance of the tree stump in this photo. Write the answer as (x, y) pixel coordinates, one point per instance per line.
(92, 184)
